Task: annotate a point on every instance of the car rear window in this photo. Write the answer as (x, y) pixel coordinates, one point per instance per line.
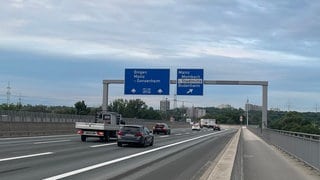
(159, 125)
(130, 129)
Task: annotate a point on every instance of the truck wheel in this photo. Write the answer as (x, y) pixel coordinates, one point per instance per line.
(83, 138)
(106, 138)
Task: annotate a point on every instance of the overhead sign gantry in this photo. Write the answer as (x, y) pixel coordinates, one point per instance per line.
(160, 89)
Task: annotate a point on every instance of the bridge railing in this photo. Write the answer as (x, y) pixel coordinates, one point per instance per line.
(303, 146)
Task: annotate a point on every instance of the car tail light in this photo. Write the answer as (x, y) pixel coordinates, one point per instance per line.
(80, 131)
(100, 133)
(139, 134)
(120, 133)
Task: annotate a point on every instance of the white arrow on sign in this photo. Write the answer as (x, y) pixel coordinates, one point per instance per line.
(133, 91)
(160, 91)
(190, 91)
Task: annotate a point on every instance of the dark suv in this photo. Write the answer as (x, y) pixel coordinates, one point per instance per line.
(135, 134)
(161, 128)
(216, 128)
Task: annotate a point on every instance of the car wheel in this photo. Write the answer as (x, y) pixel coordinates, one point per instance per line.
(83, 138)
(151, 144)
(119, 144)
(145, 143)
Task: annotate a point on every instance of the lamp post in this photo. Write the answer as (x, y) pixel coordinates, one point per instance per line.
(166, 108)
(247, 109)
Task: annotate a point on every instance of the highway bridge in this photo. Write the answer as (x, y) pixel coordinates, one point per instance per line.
(232, 153)
(182, 155)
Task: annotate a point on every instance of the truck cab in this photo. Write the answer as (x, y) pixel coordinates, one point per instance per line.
(112, 118)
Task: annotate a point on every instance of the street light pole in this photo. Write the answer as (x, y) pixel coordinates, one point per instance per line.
(247, 105)
(166, 108)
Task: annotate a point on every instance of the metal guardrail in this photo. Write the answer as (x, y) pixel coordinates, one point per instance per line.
(298, 134)
(303, 146)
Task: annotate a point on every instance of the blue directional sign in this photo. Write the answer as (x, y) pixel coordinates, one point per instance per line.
(147, 81)
(190, 82)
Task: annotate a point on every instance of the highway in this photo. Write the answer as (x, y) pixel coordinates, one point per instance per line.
(185, 154)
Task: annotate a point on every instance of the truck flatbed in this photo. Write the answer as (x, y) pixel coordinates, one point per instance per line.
(96, 126)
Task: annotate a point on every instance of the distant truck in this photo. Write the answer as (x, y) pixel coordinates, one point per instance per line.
(210, 123)
(104, 127)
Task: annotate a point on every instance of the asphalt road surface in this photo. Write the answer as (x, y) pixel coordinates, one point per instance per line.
(185, 154)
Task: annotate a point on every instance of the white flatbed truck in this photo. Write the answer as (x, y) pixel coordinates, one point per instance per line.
(210, 123)
(105, 126)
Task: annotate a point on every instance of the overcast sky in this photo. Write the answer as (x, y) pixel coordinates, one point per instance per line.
(57, 52)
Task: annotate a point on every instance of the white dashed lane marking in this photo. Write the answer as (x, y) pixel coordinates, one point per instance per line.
(48, 142)
(25, 156)
(100, 145)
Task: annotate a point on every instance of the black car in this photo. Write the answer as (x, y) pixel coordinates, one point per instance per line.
(216, 128)
(135, 134)
(161, 128)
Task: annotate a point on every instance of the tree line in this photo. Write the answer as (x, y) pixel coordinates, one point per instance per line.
(128, 108)
(307, 122)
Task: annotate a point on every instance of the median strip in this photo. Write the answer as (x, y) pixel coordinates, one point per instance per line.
(223, 168)
(26, 156)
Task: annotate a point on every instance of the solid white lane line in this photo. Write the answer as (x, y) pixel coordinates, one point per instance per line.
(26, 156)
(47, 142)
(78, 171)
(103, 145)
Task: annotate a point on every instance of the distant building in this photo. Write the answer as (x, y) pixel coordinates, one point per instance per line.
(225, 106)
(164, 105)
(196, 112)
(275, 109)
(252, 107)
(200, 112)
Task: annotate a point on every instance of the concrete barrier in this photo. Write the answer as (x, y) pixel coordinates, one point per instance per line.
(223, 168)
(17, 129)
